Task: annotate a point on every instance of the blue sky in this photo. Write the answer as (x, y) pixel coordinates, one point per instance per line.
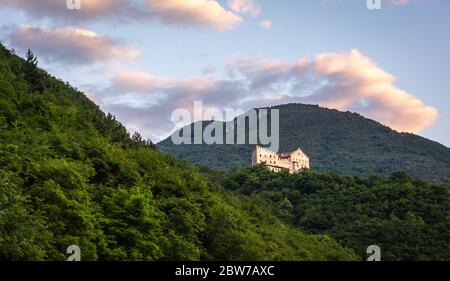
(142, 59)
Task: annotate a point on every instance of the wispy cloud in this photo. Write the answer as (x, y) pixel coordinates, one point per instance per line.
(266, 24)
(139, 81)
(245, 7)
(399, 2)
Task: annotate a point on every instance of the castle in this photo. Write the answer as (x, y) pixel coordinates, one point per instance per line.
(293, 161)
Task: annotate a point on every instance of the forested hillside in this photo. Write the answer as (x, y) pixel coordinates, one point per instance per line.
(340, 142)
(69, 174)
(408, 219)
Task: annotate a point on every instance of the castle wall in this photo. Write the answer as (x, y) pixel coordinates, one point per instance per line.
(294, 161)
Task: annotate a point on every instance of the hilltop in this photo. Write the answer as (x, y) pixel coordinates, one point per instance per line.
(335, 141)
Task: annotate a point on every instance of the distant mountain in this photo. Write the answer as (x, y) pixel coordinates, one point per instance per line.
(340, 142)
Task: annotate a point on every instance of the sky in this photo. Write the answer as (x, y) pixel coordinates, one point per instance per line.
(143, 59)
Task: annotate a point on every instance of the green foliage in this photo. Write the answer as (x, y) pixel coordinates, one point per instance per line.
(23, 234)
(408, 219)
(339, 142)
(69, 174)
(252, 233)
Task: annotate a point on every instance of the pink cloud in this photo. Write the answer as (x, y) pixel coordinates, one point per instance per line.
(345, 81)
(199, 12)
(70, 45)
(266, 24)
(58, 8)
(356, 82)
(209, 13)
(140, 81)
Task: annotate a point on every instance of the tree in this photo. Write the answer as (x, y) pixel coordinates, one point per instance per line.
(32, 74)
(31, 58)
(137, 138)
(23, 235)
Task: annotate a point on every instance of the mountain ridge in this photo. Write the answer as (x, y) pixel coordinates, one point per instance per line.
(335, 141)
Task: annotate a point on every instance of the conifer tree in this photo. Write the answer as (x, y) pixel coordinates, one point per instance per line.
(32, 73)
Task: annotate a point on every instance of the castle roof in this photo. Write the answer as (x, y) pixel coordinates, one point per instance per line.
(281, 155)
(287, 154)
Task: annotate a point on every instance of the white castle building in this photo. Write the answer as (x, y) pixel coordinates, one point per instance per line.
(293, 161)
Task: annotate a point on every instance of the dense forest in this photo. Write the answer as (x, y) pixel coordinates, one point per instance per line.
(70, 174)
(340, 142)
(409, 219)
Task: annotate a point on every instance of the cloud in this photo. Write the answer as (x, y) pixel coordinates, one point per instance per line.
(344, 81)
(150, 114)
(69, 45)
(356, 83)
(146, 104)
(91, 9)
(194, 12)
(399, 2)
(139, 81)
(207, 13)
(245, 7)
(266, 24)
